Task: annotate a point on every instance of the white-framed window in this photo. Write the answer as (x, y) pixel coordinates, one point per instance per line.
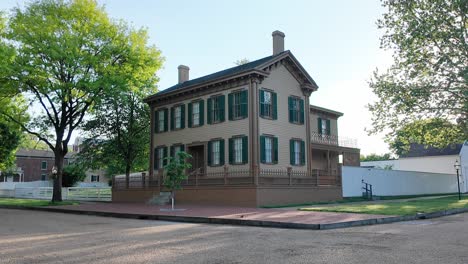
(267, 104)
(238, 150)
(94, 178)
(43, 177)
(296, 107)
(160, 160)
(217, 110)
(44, 165)
(324, 127)
(178, 117)
(297, 152)
(216, 152)
(269, 150)
(161, 121)
(237, 105)
(196, 114)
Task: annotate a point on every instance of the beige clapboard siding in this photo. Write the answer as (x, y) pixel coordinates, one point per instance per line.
(319, 159)
(205, 133)
(284, 84)
(314, 122)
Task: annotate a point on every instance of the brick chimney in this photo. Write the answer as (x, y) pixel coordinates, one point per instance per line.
(278, 42)
(183, 73)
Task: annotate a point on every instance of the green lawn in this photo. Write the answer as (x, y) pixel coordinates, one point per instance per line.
(31, 202)
(397, 208)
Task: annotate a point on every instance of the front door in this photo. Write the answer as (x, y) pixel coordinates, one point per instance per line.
(198, 157)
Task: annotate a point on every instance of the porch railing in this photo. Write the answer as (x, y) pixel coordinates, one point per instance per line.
(226, 177)
(333, 140)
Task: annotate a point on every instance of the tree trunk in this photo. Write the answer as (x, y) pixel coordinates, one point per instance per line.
(57, 192)
(127, 176)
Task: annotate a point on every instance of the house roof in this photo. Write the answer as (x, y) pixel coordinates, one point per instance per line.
(420, 150)
(256, 65)
(322, 109)
(37, 153)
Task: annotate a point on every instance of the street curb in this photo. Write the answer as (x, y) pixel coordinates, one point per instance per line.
(246, 222)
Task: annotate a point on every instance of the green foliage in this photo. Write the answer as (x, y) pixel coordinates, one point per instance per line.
(118, 135)
(176, 171)
(67, 57)
(435, 132)
(9, 140)
(72, 174)
(241, 61)
(376, 157)
(429, 76)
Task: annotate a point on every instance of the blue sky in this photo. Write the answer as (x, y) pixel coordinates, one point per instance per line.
(337, 42)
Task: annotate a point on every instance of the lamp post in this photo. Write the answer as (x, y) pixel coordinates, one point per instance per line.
(457, 168)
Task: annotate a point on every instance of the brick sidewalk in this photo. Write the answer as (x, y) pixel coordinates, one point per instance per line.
(224, 212)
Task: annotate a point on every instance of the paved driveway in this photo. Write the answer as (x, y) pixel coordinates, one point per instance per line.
(41, 237)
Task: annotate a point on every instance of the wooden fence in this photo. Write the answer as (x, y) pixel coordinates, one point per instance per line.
(226, 177)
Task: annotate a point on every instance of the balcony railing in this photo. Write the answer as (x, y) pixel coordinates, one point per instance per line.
(333, 140)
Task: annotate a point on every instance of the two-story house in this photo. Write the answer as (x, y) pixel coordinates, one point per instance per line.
(249, 131)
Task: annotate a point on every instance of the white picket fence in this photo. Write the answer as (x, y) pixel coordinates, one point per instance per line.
(71, 193)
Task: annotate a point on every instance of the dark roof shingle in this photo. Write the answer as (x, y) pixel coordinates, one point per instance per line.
(227, 72)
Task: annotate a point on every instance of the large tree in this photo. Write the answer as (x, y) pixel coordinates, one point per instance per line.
(429, 132)
(118, 134)
(429, 76)
(69, 56)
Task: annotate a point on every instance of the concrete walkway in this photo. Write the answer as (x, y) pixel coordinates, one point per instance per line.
(222, 212)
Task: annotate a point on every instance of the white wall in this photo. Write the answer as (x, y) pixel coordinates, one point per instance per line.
(395, 182)
(434, 164)
(464, 165)
(11, 185)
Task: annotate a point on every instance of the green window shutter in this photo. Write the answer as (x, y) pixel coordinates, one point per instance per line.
(275, 150)
(202, 112)
(165, 156)
(230, 105)
(262, 103)
(291, 151)
(222, 103)
(182, 116)
(210, 149)
(156, 122)
(245, 150)
(231, 151)
(291, 110)
(221, 152)
(172, 152)
(328, 127)
(190, 117)
(209, 110)
(302, 152)
(172, 118)
(244, 104)
(166, 119)
(319, 125)
(262, 149)
(274, 101)
(155, 159)
(301, 114)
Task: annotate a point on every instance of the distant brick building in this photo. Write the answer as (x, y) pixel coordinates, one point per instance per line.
(36, 165)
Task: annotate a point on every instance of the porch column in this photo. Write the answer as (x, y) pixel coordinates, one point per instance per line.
(307, 90)
(253, 128)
